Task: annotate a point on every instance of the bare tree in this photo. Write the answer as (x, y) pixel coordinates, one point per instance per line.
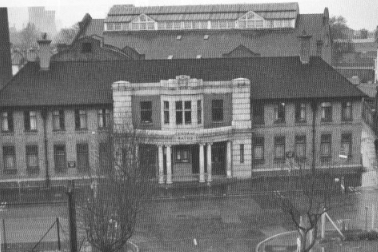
(305, 195)
(109, 211)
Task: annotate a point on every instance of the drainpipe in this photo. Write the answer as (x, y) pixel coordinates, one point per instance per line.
(314, 110)
(47, 175)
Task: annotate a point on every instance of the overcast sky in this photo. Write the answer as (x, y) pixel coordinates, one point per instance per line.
(358, 13)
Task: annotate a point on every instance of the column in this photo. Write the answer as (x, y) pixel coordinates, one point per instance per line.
(201, 163)
(228, 159)
(161, 164)
(169, 165)
(209, 175)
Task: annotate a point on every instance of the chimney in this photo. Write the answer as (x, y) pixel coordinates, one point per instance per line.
(304, 53)
(44, 54)
(5, 49)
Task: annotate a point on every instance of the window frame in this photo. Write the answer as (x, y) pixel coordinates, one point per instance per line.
(280, 112)
(179, 155)
(199, 111)
(60, 154)
(258, 114)
(279, 142)
(300, 141)
(82, 151)
(300, 112)
(325, 144)
(166, 112)
(179, 112)
(347, 138)
(81, 117)
(9, 151)
(58, 116)
(187, 112)
(103, 118)
(346, 106)
(31, 152)
(326, 111)
(30, 120)
(258, 143)
(217, 110)
(146, 112)
(241, 148)
(8, 119)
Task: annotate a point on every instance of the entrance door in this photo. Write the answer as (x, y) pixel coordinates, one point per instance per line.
(218, 157)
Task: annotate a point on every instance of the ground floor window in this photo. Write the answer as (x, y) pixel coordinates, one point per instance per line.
(32, 161)
(258, 150)
(9, 156)
(60, 158)
(182, 155)
(82, 157)
(325, 149)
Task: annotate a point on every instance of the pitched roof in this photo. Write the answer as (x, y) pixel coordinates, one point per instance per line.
(80, 82)
(267, 43)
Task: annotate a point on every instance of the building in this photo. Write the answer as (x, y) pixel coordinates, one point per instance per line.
(5, 51)
(44, 20)
(211, 31)
(206, 119)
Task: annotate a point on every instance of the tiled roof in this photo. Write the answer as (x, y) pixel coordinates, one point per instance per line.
(267, 43)
(80, 82)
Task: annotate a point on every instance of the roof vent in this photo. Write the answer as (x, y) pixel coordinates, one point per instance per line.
(206, 37)
(170, 56)
(178, 37)
(199, 56)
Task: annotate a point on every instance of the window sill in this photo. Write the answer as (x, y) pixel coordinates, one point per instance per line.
(31, 131)
(7, 133)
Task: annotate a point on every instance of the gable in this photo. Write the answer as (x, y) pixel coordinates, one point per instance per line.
(240, 52)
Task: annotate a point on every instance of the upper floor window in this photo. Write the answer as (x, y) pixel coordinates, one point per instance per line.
(7, 121)
(279, 148)
(199, 111)
(32, 162)
(241, 153)
(258, 113)
(143, 22)
(166, 112)
(325, 148)
(188, 112)
(346, 110)
(30, 120)
(251, 20)
(9, 157)
(300, 147)
(103, 117)
(146, 112)
(58, 120)
(300, 112)
(80, 119)
(179, 110)
(217, 110)
(326, 111)
(346, 145)
(279, 112)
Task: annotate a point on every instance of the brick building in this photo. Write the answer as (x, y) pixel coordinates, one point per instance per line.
(205, 119)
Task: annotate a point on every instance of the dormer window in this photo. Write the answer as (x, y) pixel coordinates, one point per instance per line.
(251, 20)
(86, 47)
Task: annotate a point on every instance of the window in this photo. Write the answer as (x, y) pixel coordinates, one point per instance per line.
(103, 117)
(30, 120)
(325, 149)
(258, 113)
(326, 110)
(279, 148)
(182, 155)
(258, 150)
(166, 112)
(82, 157)
(251, 20)
(199, 111)
(217, 110)
(146, 112)
(60, 158)
(87, 47)
(279, 113)
(6, 121)
(9, 156)
(58, 120)
(188, 112)
(242, 153)
(80, 119)
(143, 22)
(105, 157)
(300, 147)
(346, 111)
(178, 112)
(346, 145)
(32, 162)
(300, 112)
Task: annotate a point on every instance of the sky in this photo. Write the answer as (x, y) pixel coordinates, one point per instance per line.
(358, 13)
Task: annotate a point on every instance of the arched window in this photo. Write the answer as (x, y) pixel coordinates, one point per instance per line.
(251, 21)
(143, 22)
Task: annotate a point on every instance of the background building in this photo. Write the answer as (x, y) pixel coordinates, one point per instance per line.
(44, 20)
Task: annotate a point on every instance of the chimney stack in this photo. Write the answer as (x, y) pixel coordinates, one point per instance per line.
(304, 53)
(44, 54)
(5, 49)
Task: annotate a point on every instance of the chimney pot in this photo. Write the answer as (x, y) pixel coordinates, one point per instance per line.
(304, 53)
(44, 54)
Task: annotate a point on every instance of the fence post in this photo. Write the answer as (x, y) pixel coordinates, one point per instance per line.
(72, 216)
(58, 232)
